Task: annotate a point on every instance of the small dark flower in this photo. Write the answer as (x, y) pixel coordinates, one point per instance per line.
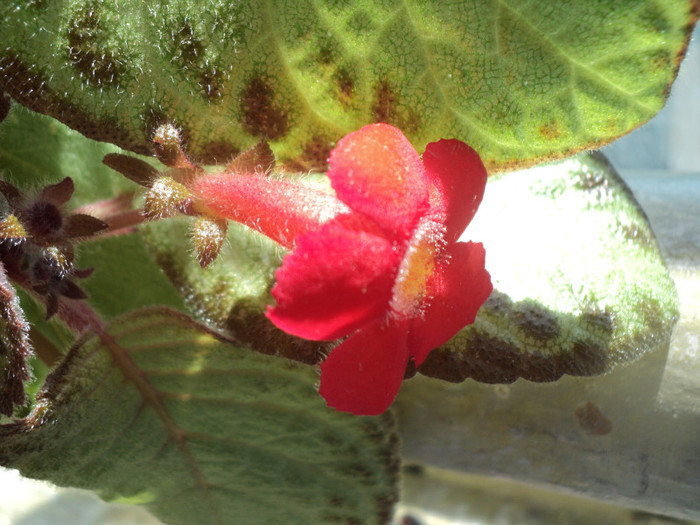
(36, 240)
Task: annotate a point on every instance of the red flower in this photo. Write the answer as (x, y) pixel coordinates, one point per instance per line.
(381, 263)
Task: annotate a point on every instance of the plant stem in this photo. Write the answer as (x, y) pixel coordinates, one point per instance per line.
(118, 213)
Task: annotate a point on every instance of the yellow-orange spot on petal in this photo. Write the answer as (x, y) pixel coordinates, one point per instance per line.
(417, 268)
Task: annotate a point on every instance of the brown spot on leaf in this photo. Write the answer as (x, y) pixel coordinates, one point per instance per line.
(489, 359)
(592, 420)
(188, 51)
(345, 85)
(97, 65)
(219, 152)
(388, 108)
(600, 319)
(550, 130)
(211, 80)
(587, 359)
(314, 157)
(384, 103)
(483, 358)
(31, 90)
(261, 117)
(188, 47)
(248, 323)
(326, 54)
(536, 321)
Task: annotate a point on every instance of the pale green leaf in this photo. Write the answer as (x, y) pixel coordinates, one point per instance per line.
(36, 150)
(580, 285)
(519, 80)
(163, 412)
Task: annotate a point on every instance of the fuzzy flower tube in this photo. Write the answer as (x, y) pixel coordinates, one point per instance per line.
(378, 263)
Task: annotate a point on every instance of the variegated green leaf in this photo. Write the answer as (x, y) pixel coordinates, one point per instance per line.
(580, 285)
(520, 81)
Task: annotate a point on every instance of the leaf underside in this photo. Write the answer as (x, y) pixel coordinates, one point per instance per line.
(520, 81)
(163, 412)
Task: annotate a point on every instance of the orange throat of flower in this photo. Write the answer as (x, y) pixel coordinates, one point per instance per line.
(410, 291)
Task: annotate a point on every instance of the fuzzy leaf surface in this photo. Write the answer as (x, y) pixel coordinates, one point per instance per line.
(579, 283)
(520, 80)
(160, 411)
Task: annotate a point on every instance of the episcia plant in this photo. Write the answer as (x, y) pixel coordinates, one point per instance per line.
(248, 311)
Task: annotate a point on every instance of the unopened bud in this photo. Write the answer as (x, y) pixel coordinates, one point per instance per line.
(168, 147)
(209, 235)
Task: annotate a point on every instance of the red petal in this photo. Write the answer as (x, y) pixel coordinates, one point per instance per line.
(458, 291)
(336, 281)
(377, 172)
(364, 374)
(458, 177)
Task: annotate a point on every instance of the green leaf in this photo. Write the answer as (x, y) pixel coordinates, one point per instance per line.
(36, 150)
(580, 285)
(158, 410)
(520, 81)
(125, 277)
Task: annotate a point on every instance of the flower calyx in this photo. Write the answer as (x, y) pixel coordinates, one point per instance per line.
(168, 192)
(37, 238)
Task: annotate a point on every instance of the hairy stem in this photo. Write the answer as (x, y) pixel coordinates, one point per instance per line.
(118, 213)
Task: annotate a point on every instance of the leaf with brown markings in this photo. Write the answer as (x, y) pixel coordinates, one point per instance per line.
(520, 82)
